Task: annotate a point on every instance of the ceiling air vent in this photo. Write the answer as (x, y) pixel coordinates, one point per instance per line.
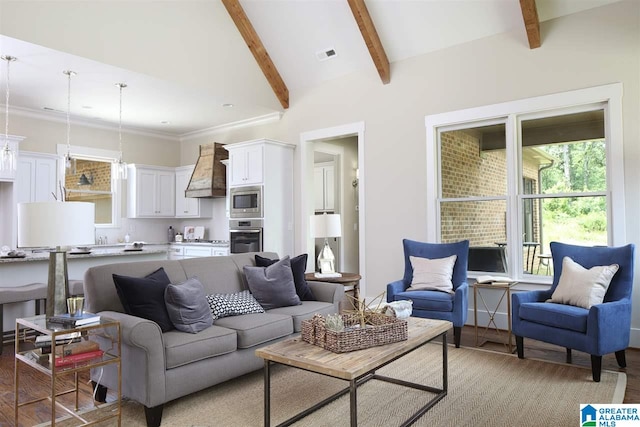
(325, 54)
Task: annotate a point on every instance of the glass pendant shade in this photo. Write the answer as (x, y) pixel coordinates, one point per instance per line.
(120, 170)
(7, 156)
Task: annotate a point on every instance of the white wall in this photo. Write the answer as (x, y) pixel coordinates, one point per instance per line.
(592, 48)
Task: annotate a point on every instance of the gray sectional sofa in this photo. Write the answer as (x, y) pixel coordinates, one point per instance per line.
(158, 367)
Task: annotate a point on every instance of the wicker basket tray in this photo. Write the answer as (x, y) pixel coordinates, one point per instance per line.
(382, 330)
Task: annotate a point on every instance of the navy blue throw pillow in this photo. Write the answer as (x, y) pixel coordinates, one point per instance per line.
(298, 267)
(144, 297)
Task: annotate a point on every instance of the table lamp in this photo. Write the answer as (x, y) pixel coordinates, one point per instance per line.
(325, 226)
(59, 225)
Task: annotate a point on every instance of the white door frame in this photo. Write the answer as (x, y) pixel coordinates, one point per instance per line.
(306, 188)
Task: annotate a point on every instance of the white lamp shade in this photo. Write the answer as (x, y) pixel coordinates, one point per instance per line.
(51, 224)
(326, 225)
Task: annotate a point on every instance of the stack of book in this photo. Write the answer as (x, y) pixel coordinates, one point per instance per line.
(68, 320)
(70, 349)
(495, 280)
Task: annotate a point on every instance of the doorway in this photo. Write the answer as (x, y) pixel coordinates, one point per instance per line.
(342, 148)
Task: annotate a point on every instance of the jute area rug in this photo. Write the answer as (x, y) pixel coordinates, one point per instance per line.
(485, 388)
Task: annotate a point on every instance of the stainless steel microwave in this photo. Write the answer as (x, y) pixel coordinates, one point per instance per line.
(245, 202)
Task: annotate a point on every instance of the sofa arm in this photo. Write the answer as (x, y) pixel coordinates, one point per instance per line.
(394, 288)
(327, 292)
(143, 360)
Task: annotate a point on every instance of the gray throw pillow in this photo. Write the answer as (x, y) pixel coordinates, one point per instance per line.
(187, 306)
(273, 286)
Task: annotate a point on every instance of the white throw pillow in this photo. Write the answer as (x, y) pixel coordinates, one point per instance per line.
(432, 274)
(581, 287)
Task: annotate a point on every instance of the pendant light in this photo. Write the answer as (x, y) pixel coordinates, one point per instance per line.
(69, 162)
(8, 156)
(120, 165)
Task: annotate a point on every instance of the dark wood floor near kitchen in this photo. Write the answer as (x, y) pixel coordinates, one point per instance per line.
(35, 383)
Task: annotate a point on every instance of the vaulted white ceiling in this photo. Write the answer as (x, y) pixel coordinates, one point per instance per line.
(183, 60)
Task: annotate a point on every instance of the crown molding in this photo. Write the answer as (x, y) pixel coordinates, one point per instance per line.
(60, 118)
(254, 121)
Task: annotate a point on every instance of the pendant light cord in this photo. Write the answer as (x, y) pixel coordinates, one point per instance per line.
(69, 73)
(6, 103)
(9, 60)
(120, 85)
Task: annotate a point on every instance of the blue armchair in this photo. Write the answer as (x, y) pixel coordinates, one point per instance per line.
(602, 329)
(436, 304)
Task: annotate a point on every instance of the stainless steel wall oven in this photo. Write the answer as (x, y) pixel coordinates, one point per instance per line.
(245, 235)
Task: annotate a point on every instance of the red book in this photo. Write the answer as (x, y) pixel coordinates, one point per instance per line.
(77, 358)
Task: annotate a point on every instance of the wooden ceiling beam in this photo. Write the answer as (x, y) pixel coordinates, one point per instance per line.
(371, 39)
(531, 22)
(258, 50)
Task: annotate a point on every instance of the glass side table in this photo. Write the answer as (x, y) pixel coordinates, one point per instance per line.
(504, 290)
(106, 332)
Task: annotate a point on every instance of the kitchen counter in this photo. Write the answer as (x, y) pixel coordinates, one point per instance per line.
(95, 253)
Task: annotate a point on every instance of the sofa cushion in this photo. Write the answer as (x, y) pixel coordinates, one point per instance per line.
(187, 306)
(182, 349)
(255, 329)
(298, 268)
(273, 286)
(580, 286)
(555, 315)
(305, 311)
(223, 305)
(144, 297)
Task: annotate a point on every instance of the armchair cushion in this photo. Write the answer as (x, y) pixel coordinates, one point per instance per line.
(582, 287)
(555, 315)
(432, 274)
(428, 300)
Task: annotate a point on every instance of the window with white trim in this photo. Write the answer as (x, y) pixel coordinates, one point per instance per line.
(513, 177)
(91, 180)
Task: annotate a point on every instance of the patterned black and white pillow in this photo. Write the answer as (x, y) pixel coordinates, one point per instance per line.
(223, 305)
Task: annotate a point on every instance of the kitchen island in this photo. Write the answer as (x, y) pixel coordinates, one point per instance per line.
(34, 268)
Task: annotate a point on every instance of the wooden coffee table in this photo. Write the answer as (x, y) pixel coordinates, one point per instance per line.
(357, 367)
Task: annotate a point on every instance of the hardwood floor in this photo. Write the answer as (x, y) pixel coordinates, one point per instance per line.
(34, 384)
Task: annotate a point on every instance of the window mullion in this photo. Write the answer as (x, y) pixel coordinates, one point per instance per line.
(514, 210)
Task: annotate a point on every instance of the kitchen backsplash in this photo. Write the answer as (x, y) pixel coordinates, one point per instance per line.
(154, 230)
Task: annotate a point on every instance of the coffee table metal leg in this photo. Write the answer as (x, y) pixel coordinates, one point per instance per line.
(353, 387)
(267, 394)
(445, 364)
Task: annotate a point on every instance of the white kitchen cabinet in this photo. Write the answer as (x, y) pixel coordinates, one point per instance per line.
(36, 177)
(324, 187)
(268, 163)
(184, 251)
(197, 251)
(246, 165)
(190, 207)
(220, 251)
(151, 192)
